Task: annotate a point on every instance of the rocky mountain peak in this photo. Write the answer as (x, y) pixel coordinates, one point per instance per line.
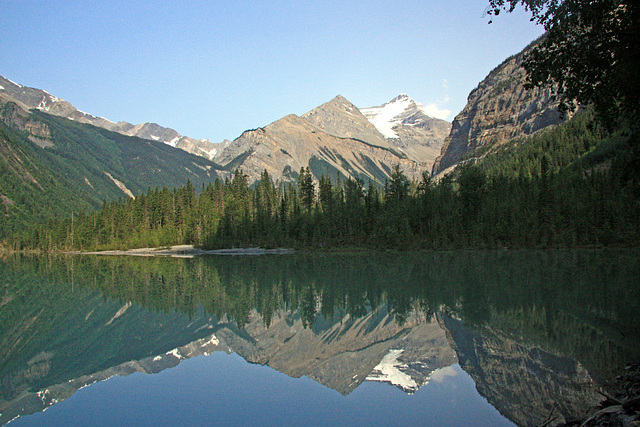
(335, 137)
(341, 118)
(401, 97)
(400, 110)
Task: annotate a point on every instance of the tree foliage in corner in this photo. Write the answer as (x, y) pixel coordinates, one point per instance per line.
(590, 54)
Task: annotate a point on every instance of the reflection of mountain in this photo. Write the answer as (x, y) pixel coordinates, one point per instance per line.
(339, 320)
(30, 402)
(524, 382)
(341, 353)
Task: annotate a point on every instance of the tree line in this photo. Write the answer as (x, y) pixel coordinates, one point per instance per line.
(564, 188)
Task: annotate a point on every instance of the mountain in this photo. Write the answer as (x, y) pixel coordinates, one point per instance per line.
(29, 98)
(406, 124)
(341, 118)
(345, 351)
(336, 139)
(52, 166)
(498, 110)
(339, 319)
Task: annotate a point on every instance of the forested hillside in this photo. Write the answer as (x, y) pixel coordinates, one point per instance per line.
(51, 167)
(564, 188)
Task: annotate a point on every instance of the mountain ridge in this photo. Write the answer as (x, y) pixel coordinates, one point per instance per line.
(29, 98)
(341, 141)
(52, 166)
(333, 139)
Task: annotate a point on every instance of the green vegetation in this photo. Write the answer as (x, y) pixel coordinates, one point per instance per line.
(70, 173)
(589, 55)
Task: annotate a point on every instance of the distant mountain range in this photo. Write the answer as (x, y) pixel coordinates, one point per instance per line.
(51, 167)
(56, 159)
(28, 98)
(337, 139)
(52, 164)
(333, 139)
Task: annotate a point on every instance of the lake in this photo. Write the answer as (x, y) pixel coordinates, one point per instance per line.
(444, 338)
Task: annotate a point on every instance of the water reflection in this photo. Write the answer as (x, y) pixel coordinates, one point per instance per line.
(535, 330)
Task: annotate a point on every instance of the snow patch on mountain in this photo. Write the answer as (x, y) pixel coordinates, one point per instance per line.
(384, 116)
(44, 105)
(11, 81)
(400, 110)
(389, 370)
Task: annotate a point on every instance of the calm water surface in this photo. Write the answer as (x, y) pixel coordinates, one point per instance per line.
(458, 338)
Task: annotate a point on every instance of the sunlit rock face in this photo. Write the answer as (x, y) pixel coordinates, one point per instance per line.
(523, 381)
(498, 110)
(334, 139)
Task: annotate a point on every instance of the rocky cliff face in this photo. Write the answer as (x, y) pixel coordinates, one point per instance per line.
(499, 109)
(337, 138)
(341, 118)
(29, 98)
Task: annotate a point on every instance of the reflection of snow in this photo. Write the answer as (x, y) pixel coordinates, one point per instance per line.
(213, 341)
(175, 353)
(389, 371)
(441, 374)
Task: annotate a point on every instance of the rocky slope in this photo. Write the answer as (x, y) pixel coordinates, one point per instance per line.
(293, 142)
(51, 166)
(499, 109)
(341, 118)
(28, 402)
(346, 351)
(332, 139)
(29, 98)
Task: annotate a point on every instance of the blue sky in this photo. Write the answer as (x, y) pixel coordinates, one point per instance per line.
(212, 69)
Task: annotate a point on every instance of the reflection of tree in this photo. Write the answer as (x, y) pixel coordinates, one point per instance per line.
(570, 301)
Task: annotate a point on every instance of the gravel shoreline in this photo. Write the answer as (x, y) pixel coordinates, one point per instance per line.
(187, 251)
